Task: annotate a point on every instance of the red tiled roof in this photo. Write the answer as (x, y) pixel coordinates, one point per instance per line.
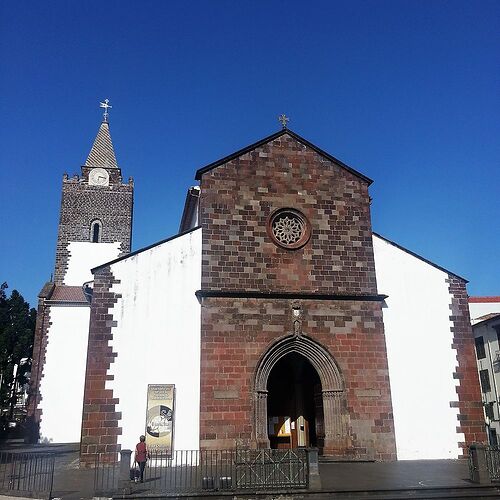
(46, 291)
(63, 293)
(483, 299)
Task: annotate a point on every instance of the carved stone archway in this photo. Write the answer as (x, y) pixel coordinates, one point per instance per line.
(332, 385)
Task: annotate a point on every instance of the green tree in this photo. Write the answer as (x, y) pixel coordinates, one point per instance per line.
(17, 329)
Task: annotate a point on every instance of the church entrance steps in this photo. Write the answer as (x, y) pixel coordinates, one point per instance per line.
(477, 492)
(429, 494)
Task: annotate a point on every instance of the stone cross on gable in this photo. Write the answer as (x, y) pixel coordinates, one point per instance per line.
(283, 119)
(105, 105)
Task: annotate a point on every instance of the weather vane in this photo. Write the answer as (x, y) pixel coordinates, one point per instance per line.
(105, 105)
(283, 119)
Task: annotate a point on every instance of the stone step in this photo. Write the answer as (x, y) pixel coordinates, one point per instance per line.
(465, 493)
(422, 493)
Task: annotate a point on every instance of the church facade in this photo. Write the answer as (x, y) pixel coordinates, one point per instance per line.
(276, 314)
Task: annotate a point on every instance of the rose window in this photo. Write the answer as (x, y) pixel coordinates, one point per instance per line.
(289, 228)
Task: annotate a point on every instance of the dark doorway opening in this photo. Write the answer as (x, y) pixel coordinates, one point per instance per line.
(294, 404)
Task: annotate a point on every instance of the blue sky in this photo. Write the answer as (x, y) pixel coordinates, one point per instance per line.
(406, 92)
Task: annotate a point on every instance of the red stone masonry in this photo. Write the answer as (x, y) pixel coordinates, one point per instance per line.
(237, 198)
(42, 326)
(471, 415)
(100, 429)
(238, 255)
(236, 333)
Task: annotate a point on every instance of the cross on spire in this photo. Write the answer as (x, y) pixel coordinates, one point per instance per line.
(105, 105)
(283, 119)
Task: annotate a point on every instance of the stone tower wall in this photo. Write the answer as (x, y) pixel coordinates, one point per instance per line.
(81, 204)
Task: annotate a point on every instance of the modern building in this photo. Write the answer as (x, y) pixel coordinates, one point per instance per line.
(479, 307)
(485, 317)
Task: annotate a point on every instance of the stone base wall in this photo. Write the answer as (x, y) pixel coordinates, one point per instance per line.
(237, 334)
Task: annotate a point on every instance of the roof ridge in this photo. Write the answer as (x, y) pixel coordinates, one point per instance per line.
(420, 257)
(486, 319)
(143, 249)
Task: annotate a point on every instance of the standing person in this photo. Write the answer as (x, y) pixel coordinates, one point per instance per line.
(141, 455)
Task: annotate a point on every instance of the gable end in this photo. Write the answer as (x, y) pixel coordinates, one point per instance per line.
(241, 152)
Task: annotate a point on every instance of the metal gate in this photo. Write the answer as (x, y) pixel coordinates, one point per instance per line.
(209, 470)
(270, 469)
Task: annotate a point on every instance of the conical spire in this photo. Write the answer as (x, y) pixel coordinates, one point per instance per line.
(102, 153)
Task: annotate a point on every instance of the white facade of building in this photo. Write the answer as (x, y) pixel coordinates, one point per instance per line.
(421, 361)
(63, 380)
(157, 335)
(85, 255)
(64, 374)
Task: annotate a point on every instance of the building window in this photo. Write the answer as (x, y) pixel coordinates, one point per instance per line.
(480, 352)
(493, 437)
(96, 231)
(289, 228)
(485, 380)
(488, 410)
(497, 329)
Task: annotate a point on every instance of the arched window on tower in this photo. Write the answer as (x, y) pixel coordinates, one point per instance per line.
(96, 231)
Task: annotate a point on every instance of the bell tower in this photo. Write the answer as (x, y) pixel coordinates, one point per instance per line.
(95, 223)
(95, 227)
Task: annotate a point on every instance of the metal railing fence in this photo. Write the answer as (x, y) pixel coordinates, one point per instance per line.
(106, 475)
(212, 470)
(493, 462)
(27, 472)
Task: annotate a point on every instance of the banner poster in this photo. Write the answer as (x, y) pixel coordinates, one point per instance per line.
(160, 418)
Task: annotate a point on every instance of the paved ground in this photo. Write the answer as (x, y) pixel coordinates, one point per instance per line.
(72, 483)
(394, 475)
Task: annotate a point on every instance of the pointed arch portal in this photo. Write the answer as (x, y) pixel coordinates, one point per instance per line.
(299, 379)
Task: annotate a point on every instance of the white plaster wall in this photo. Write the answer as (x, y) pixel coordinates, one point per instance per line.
(421, 360)
(478, 309)
(157, 336)
(63, 378)
(83, 256)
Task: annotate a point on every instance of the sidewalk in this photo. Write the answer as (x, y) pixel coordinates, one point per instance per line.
(71, 483)
(405, 474)
(339, 480)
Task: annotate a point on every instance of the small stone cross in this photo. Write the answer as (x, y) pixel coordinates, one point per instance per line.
(283, 119)
(105, 105)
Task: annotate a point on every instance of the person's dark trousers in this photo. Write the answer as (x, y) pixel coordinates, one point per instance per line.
(142, 465)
